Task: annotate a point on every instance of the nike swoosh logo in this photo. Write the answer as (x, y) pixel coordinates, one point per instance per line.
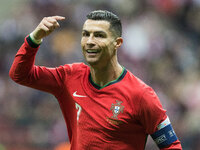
(76, 95)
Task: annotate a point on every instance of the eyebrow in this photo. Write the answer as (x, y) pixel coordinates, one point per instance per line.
(102, 32)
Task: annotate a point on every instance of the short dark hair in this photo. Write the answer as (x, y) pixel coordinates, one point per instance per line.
(115, 22)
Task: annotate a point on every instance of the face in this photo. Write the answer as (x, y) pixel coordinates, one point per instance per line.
(98, 43)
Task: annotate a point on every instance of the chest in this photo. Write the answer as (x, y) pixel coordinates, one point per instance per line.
(105, 108)
(108, 114)
(113, 104)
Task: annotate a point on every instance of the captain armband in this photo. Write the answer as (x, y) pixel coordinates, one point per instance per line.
(165, 134)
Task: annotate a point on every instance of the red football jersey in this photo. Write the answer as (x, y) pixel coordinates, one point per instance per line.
(119, 115)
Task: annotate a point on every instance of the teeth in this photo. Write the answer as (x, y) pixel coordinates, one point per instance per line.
(92, 50)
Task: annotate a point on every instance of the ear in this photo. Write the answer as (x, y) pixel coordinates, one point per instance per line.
(118, 42)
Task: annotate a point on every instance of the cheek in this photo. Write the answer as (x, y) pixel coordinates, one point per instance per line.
(83, 41)
(104, 44)
(111, 50)
(110, 46)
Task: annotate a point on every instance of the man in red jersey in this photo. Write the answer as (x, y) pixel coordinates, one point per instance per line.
(104, 105)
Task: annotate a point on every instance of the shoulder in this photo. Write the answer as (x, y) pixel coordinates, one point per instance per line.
(77, 66)
(146, 94)
(74, 67)
(70, 69)
(141, 94)
(136, 84)
(134, 89)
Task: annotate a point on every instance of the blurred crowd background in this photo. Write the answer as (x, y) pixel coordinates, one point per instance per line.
(161, 46)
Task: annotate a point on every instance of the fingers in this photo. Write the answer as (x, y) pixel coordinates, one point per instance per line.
(52, 22)
(58, 18)
(47, 26)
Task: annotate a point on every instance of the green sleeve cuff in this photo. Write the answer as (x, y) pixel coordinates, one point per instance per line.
(38, 42)
(31, 43)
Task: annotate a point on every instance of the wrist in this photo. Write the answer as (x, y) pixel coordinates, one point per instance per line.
(36, 41)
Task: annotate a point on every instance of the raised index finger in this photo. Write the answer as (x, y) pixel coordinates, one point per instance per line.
(58, 17)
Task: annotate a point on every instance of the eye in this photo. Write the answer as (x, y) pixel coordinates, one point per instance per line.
(85, 34)
(100, 35)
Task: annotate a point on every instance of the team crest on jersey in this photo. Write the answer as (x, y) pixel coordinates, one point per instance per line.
(117, 108)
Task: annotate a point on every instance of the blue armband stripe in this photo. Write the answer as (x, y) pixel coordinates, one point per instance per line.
(164, 136)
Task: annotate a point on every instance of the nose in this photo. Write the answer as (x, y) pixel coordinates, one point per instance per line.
(90, 41)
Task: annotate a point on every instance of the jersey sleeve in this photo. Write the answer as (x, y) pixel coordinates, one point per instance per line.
(174, 146)
(151, 111)
(23, 70)
(152, 114)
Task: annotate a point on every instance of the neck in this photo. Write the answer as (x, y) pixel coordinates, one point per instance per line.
(106, 74)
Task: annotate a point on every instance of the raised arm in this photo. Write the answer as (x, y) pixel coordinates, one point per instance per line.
(23, 70)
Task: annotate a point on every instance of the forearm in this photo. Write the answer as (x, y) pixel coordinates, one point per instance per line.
(23, 64)
(24, 72)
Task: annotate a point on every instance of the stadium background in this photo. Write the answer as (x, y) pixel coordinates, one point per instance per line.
(161, 46)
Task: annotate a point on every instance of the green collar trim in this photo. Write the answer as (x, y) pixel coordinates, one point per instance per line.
(110, 83)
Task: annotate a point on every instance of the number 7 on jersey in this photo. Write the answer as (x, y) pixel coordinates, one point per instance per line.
(78, 107)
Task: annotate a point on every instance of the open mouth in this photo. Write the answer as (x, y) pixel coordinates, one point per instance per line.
(92, 51)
